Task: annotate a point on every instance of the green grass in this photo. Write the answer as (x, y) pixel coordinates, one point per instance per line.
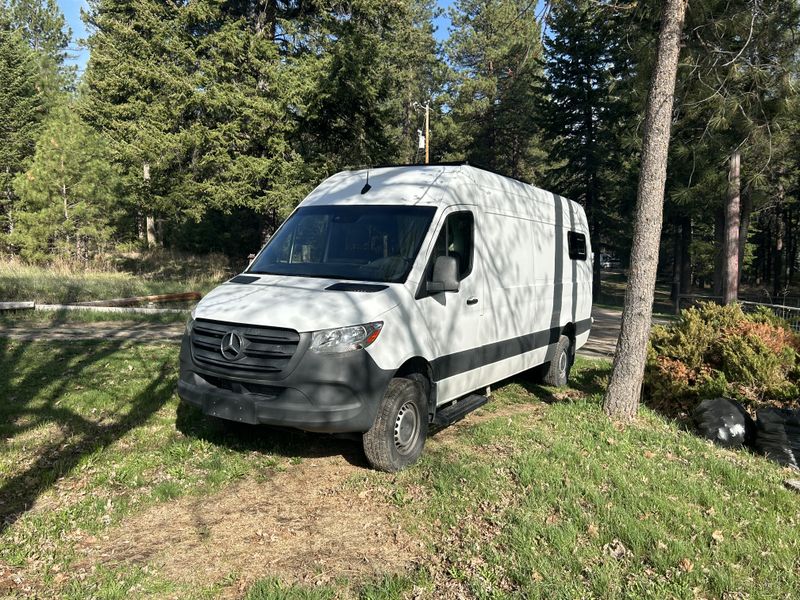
(537, 495)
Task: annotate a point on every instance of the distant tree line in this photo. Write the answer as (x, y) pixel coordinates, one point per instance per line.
(200, 125)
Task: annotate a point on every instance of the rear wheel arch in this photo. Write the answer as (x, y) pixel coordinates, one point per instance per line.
(569, 330)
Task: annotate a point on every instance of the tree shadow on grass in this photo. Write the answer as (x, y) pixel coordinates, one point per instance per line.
(278, 441)
(589, 380)
(25, 406)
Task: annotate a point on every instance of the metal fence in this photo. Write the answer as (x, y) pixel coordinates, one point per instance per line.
(790, 314)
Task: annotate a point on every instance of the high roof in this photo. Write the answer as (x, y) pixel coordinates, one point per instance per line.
(441, 185)
(389, 185)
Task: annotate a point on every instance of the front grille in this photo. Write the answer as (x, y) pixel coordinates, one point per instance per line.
(239, 386)
(265, 350)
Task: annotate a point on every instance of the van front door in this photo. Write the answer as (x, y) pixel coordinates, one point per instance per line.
(454, 318)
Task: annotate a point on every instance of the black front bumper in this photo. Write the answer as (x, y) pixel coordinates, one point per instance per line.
(329, 393)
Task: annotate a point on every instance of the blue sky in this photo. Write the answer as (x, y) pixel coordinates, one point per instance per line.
(72, 12)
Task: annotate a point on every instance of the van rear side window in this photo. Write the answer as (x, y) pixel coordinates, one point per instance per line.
(577, 245)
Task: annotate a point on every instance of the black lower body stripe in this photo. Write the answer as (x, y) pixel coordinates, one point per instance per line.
(467, 360)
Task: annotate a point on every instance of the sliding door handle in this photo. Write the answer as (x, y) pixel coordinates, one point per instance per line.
(472, 301)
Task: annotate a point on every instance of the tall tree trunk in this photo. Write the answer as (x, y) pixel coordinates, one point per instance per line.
(744, 228)
(677, 259)
(150, 220)
(777, 260)
(791, 255)
(621, 401)
(686, 258)
(730, 281)
(719, 252)
(788, 244)
(768, 255)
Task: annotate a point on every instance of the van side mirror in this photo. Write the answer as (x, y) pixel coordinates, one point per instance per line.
(445, 276)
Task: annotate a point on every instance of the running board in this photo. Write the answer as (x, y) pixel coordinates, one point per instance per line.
(458, 410)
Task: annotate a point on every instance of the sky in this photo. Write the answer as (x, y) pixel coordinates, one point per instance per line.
(72, 12)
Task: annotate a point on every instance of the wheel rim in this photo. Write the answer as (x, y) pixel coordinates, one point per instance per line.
(406, 428)
(562, 363)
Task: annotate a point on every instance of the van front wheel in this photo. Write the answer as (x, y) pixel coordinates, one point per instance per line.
(557, 370)
(397, 437)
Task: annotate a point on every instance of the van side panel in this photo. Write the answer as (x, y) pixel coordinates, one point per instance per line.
(533, 289)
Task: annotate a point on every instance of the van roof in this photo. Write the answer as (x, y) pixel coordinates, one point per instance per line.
(433, 185)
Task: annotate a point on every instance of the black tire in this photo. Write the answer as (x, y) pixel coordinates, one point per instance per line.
(556, 372)
(397, 437)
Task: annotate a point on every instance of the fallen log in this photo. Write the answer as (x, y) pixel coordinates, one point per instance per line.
(111, 309)
(15, 305)
(179, 297)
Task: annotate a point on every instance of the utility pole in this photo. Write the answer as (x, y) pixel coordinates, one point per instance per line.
(427, 107)
(427, 132)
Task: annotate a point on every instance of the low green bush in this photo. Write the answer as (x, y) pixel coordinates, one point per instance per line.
(716, 351)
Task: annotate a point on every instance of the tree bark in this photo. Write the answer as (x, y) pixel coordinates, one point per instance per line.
(718, 275)
(677, 260)
(777, 261)
(791, 246)
(686, 257)
(744, 228)
(730, 280)
(150, 220)
(621, 401)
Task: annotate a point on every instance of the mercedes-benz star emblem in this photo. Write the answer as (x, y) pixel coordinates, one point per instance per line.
(231, 345)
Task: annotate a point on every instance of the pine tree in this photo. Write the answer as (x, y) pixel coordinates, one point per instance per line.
(42, 24)
(378, 59)
(21, 112)
(134, 92)
(621, 400)
(587, 112)
(67, 195)
(736, 92)
(495, 51)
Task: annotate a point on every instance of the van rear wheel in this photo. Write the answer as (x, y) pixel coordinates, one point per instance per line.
(556, 372)
(397, 437)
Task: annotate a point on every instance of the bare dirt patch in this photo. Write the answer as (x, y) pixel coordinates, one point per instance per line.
(303, 525)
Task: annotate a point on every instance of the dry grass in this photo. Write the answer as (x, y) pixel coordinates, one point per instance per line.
(132, 274)
(304, 525)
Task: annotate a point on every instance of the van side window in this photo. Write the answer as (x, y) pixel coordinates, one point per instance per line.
(456, 240)
(577, 245)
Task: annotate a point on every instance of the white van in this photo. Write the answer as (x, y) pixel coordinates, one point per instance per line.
(387, 299)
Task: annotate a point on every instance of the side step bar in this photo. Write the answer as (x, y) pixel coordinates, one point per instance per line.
(457, 410)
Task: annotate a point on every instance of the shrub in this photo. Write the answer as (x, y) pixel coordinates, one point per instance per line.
(716, 351)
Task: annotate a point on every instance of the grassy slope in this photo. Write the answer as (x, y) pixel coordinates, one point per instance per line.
(156, 273)
(63, 285)
(524, 498)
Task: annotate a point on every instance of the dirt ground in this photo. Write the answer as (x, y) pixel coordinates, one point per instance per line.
(306, 524)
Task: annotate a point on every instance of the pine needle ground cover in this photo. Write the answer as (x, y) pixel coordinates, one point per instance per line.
(110, 489)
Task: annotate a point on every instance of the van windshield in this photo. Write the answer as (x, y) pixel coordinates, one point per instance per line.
(365, 243)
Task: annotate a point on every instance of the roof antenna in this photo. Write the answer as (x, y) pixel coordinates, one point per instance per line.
(367, 187)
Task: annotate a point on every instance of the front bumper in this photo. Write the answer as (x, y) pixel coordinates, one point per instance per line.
(329, 393)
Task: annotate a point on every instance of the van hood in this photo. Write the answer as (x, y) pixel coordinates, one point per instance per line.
(299, 303)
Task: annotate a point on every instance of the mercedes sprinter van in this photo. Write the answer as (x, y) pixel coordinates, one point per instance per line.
(387, 299)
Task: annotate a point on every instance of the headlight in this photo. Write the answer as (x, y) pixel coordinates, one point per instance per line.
(345, 339)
